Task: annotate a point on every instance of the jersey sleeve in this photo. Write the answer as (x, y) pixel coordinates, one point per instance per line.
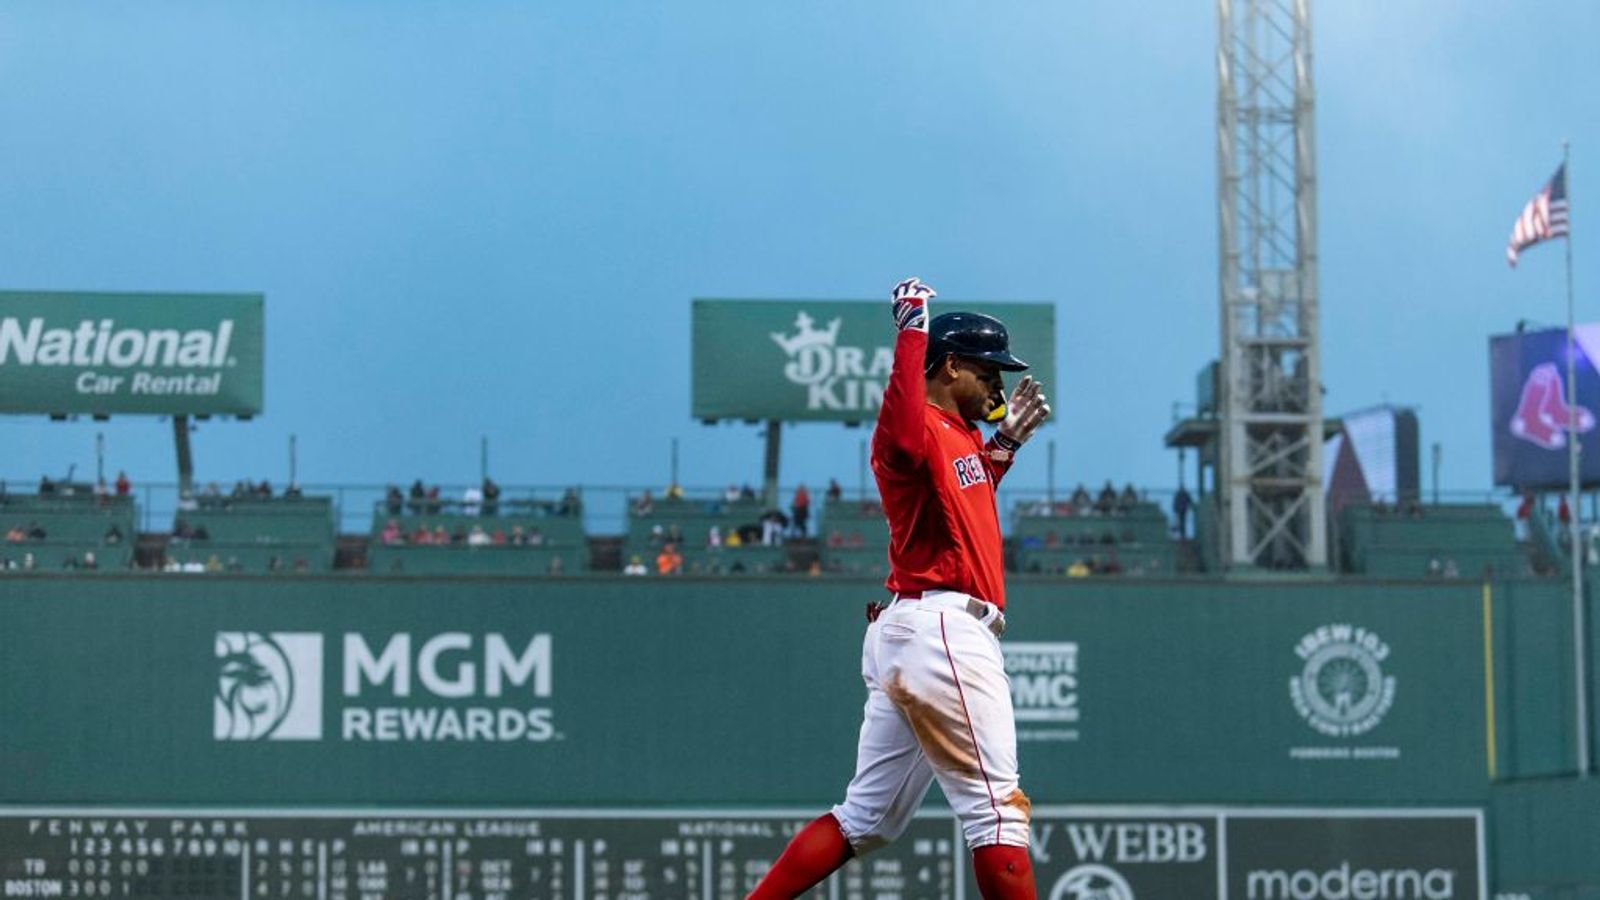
(998, 463)
(899, 441)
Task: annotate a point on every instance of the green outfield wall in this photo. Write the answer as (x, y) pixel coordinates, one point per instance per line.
(1160, 702)
(614, 691)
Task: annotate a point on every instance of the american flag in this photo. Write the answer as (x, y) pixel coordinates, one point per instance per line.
(1543, 218)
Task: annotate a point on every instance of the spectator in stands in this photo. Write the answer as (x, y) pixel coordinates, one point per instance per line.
(669, 561)
(1078, 569)
(471, 501)
(556, 567)
(1051, 540)
(441, 537)
(571, 505)
(181, 531)
(491, 497)
(214, 492)
(393, 500)
(498, 538)
(801, 507)
(16, 534)
(391, 533)
(418, 494)
(1080, 499)
(36, 532)
(292, 492)
(213, 564)
(773, 522)
(674, 492)
(1525, 508)
(1106, 503)
(857, 540)
(46, 486)
(645, 505)
(89, 561)
(27, 562)
(434, 504)
(834, 491)
(1112, 566)
(264, 489)
(113, 535)
(746, 492)
(124, 486)
(835, 538)
(422, 535)
(186, 501)
(734, 539)
(730, 494)
(1128, 499)
(518, 536)
(233, 564)
(477, 537)
(535, 537)
(714, 536)
(635, 566)
(1451, 570)
(1563, 513)
(1181, 504)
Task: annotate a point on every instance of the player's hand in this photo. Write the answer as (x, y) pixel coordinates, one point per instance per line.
(1025, 412)
(910, 304)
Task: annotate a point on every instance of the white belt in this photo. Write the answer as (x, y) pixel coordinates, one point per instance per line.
(986, 613)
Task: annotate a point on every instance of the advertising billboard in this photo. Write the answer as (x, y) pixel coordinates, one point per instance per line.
(150, 354)
(1529, 406)
(825, 361)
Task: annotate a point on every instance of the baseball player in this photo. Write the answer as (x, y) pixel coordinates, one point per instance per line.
(938, 699)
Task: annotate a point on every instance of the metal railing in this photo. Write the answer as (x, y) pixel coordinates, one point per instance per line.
(605, 509)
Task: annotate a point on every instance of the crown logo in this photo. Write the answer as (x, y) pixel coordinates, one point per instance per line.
(807, 335)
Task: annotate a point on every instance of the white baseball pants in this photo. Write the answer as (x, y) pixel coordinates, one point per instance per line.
(938, 706)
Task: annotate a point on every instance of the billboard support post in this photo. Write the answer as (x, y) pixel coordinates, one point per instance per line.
(769, 481)
(1580, 668)
(180, 437)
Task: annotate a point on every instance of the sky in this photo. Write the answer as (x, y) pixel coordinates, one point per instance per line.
(488, 219)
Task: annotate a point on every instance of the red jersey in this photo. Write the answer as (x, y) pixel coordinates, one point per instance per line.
(937, 480)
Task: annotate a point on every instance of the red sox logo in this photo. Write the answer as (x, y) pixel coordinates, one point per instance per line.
(1543, 416)
(970, 471)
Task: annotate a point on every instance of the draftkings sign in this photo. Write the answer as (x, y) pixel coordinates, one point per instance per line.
(156, 354)
(805, 360)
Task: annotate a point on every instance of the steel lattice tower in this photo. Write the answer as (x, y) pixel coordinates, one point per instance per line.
(1270, 395)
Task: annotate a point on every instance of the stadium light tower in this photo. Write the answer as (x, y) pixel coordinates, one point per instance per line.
(1270, 392)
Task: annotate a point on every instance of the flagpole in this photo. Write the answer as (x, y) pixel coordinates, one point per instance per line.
(1579, 653)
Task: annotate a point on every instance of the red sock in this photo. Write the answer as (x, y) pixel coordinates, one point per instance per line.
(1003, 872)
(811, 856)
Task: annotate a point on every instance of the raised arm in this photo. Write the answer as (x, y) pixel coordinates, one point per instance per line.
(898, 439)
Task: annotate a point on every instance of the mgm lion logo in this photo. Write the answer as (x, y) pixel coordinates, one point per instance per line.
(269, 686)
(1091, 882)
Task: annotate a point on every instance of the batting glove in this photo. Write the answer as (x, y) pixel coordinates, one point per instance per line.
(1025, 412)
(910, 304)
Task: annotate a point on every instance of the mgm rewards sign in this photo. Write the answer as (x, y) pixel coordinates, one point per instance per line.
(158, 354)
(815, 360)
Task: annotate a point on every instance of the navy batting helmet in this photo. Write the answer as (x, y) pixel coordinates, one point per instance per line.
(973, 336)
